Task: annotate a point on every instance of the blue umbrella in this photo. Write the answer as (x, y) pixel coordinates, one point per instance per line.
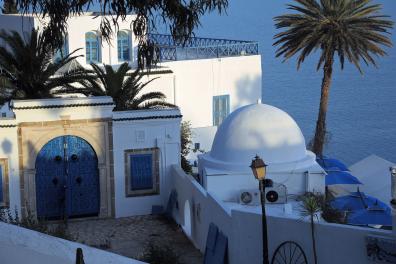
(331, 164)
(341, 177)
(371, 216)
(357, 201)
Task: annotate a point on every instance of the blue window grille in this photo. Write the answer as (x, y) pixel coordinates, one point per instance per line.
(92, 48)
(124, 46)
(62, 52)
(221, 108)
(1, 185)
(141, 171)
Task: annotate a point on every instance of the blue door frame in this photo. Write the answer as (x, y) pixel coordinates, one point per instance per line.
(67, 179)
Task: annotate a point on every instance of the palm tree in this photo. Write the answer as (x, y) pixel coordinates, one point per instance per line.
(30, 69)
(311, 207)
(353, 29)
(125, 88)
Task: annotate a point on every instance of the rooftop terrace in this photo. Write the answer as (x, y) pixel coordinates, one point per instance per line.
(201, 48)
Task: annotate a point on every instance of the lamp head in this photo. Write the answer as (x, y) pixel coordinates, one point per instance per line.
(259, 168)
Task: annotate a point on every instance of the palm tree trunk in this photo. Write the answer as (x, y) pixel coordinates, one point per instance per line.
(320, 132)
(313, 239)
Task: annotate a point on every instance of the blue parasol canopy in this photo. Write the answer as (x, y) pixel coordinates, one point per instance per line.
(371, 216)
(341, 177)
(357, 201)
(331, 164)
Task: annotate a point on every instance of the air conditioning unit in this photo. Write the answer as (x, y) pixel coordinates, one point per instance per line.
(249, 197)
(277, 194)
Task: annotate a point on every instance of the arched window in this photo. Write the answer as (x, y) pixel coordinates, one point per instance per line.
(92, 47)
(124, 46)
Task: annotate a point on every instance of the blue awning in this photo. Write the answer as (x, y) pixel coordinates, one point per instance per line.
(331, 164)
(340, 177)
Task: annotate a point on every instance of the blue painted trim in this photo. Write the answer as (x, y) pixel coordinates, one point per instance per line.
(141, 171)
(220, 115)
(123, 46)
(91, 43)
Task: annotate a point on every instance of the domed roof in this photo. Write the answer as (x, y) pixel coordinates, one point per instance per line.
(258, 129)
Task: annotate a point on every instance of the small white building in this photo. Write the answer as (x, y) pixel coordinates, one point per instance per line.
(201, 78)
(270, 133)
(75, 157)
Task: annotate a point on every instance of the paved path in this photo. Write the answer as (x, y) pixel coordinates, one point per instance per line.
(130, 236)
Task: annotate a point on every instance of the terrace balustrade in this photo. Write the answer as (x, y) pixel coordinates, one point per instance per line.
(200, 48)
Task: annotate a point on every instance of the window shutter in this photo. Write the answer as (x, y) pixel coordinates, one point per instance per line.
(141, 171)
(221, 108)
(1, 184)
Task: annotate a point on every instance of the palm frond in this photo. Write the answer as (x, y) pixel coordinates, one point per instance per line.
(351, 29)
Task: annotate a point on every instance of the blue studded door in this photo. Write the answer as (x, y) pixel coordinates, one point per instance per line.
(67, 179)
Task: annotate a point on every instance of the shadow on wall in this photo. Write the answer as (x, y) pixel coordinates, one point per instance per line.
(6, 146)
(248, 90)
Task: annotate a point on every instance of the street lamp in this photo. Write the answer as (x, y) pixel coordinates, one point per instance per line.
(393, 186)
(259, 169)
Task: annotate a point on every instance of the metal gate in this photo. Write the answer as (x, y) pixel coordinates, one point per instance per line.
(67, 179)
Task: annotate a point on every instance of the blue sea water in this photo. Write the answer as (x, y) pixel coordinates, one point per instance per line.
(362, 108)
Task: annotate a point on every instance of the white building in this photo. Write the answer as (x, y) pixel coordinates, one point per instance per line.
(225, 225)
(207, 78)
(76, 157)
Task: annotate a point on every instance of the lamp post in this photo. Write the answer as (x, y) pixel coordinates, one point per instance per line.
(259, 169)
(393, 197)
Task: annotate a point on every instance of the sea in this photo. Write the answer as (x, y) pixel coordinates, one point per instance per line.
(361, 117)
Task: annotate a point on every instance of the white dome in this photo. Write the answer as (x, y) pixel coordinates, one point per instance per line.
(258, 129)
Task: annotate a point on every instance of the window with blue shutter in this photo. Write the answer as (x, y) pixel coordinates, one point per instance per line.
(92, 48)
(123, 46)
(221, 108)
(1, 185)
(142, 171)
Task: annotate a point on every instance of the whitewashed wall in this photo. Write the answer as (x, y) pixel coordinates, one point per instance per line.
(335, 243)
(161, 133)
(9, 151)
(77, 27)
(20, 245)
(195, 82)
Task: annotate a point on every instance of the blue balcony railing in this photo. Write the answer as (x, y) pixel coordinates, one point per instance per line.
(201, 48)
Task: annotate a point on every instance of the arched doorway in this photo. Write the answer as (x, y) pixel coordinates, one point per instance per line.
(187, 219)
(67, 179)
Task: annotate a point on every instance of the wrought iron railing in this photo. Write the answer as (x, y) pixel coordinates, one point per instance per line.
(200, 48)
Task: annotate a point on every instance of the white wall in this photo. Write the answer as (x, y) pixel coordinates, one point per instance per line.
(335, 243)
(197, 81)
(9, 151)
(77, 27)
(20, 245)
(161, 133)
(22, 24)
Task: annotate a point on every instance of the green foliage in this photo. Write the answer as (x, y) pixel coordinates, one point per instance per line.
(186, 135)
(125, 88)
(160, 254)
(31, 222)
(354, 29)
(311, 205)
(181, 17)
(29, 68)
(9, 7)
